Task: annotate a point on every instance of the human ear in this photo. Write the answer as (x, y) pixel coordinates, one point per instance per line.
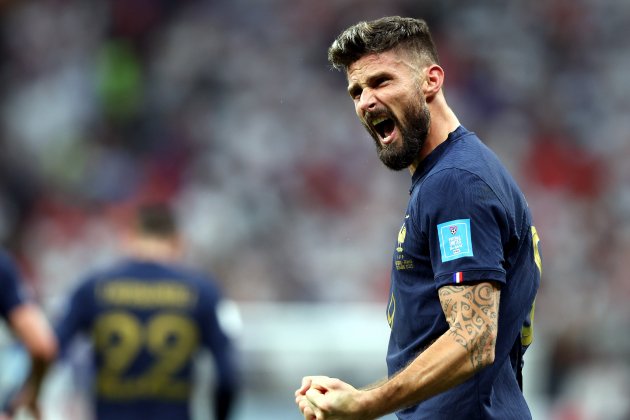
(433, 80)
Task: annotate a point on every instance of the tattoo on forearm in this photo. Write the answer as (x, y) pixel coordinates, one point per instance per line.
(472, 313)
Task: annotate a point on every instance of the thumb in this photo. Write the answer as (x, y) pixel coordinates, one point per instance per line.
(306, 384)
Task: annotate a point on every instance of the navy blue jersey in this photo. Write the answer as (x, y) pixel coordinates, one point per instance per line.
(11, 292)
(466, 221)
(147, 321)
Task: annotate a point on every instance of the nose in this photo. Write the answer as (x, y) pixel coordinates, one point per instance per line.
(366, 102)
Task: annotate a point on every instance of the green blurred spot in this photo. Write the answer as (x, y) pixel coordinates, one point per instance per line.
(119, 80)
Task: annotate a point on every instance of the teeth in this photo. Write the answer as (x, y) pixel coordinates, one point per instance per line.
(378, 120)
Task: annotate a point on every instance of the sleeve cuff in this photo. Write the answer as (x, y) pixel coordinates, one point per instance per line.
(468, 276)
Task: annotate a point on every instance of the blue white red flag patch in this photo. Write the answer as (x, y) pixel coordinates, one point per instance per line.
(458, 277)
(455, 239)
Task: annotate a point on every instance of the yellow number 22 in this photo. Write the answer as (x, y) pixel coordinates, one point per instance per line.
(120, 336)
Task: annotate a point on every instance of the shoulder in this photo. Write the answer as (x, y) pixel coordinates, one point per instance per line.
(450, 184)
(12, 291)
(203, 282)
(209, 289)
(467, 169)
(468, 152)
(91, 279)
(455, 193)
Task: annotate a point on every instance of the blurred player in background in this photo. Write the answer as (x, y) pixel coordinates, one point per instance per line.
(466, 266)
(147, 317)
(31, 328)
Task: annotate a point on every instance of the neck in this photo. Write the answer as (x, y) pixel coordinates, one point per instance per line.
(154, 249)
(443, 122)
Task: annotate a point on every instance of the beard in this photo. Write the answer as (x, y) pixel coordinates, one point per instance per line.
(413, 128)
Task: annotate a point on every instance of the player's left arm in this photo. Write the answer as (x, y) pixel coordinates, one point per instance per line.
(472, 312)
(216, 336)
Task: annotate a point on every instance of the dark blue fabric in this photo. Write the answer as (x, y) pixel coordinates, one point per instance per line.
(12, 294)
(463, 180)
(153, 358)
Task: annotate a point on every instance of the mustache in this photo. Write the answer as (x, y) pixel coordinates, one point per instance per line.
(372, 115)
(377, 113)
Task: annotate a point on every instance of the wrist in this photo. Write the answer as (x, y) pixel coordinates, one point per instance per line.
(370, 404)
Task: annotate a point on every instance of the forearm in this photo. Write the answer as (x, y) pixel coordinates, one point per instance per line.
(35, 379)
(223, 402)
(31, 327)
(227, 385)
(444, 365)
(472, 312)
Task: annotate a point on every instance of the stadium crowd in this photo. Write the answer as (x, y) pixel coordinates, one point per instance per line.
(228, 109)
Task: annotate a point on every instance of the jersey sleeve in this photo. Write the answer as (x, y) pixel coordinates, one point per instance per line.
(12, 293)
(77, 315)
(214, 337)
(467, 228)
(217, 340)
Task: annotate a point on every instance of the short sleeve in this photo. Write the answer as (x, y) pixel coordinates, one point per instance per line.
(467, 226)
(12, 293)
(77, 316)
(214, 337)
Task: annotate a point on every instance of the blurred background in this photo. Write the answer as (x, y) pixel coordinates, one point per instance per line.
(229, 110)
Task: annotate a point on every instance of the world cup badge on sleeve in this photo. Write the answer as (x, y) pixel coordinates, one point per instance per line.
(455, 239)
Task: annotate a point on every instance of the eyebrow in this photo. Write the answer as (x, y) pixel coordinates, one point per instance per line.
(353, 87)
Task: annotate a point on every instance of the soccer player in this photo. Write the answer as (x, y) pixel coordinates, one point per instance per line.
(30, 326)
(466, 266)
(147, 317)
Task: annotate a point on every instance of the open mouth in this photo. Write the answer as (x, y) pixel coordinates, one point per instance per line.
(383, 126)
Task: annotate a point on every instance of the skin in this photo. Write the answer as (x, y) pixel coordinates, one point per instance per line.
(154, 248)
(472, 312)
(32, 328)
(390, 82)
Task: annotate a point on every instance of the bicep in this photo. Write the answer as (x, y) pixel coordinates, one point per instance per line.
(472, 313)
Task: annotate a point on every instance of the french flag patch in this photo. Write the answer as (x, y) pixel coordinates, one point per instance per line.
(458, 277)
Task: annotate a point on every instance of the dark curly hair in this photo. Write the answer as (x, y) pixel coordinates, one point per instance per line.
(382, 35)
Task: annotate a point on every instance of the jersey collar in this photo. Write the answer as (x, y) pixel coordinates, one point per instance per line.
(435, 155)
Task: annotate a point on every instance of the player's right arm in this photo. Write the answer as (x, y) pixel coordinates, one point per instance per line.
(31, 327)
(25, 318)
(472, 313)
